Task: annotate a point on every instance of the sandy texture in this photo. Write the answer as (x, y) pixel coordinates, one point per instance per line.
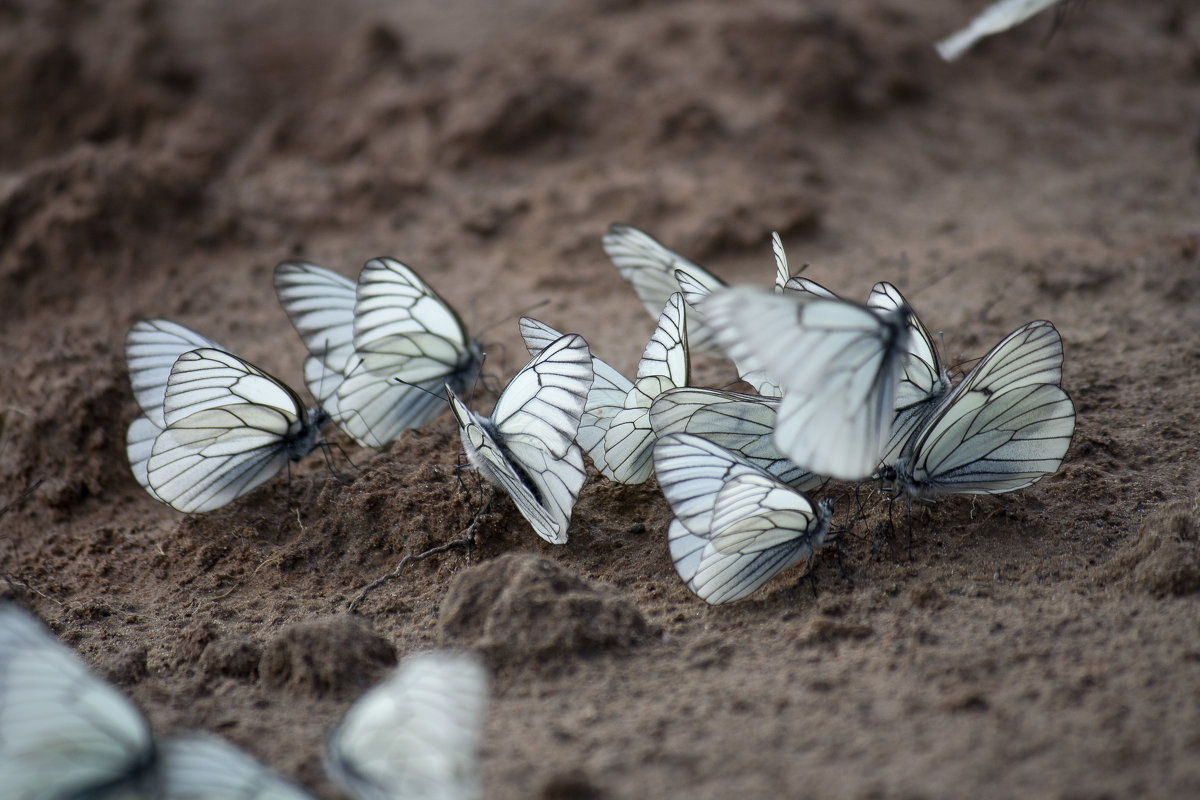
(157, 159)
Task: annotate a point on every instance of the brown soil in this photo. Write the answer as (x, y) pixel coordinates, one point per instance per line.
(157, 159)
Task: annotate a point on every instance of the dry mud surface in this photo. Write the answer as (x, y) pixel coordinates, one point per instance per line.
(157, 159)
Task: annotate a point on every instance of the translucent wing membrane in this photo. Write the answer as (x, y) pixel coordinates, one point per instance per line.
(650, 268)
(417, 735)
(151, 348)
(741, 423)
(207, 768)
(735, 526)
(230, 428)
(64, 733)
(527, 448)
(837, 362)
(320, 304)
(923, 381)
(1004, 427)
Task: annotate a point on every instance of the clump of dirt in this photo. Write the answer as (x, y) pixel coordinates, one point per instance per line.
(332, 656)
(1164, 558)
(522, 608)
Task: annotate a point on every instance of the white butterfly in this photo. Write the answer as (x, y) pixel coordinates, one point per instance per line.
(527, 447)
(656, 272)
(65, 733)
(201, 767)
(416, 736)
(615, 427)
(320, 304)
(230, 427)
(151, 349)
(1004, 427)
(741, 423)
(388, 368)
(837, 362)
(650, 268)
(735, 526)
(997, 17)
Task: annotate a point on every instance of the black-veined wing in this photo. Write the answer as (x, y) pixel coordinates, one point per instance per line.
(417, 735)
(650, 268)
(1004, 427)
(151, 348)
(735, 526)
(64, 733)
(741, 423)
(527, 447)
(408, 344)
(664, 365)
(923, 381)
(201, 767)
(837, 362)
(605, 398)
(320, 304)
(230, 427)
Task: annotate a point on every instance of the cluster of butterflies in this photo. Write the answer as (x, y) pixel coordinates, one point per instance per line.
(69, 734)
(844, 391)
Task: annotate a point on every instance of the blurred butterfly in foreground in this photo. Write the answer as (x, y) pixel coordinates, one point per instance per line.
(65, 733)
(735, 525)
(615, 427)
(226, 426)
(1004, 427)
(527, 447)
(381, 350)
(416, 735)
(838, 364)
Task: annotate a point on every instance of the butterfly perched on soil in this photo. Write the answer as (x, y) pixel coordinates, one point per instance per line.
(527, 447)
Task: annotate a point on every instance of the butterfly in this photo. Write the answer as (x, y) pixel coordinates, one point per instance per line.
(65, 733)
(741, 423)
(230, 427)
(615, 428)
(416, 735)
(735, 525)
(527, 447)
(386, 354)
(837, 362)
(656, 272)
(1003, 427)
(151, 349)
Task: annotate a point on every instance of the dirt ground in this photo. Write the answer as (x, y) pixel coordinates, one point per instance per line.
(158, 159)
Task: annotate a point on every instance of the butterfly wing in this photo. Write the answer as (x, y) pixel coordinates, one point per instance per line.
(650, 268)
(543, 488)
(740, 423)
(543, 403)
(208, 768)
(139, 444)
(320, 304)
(988, 444)
(408, 343)
(691, 472)
(923, 381)
(837, 363)
(151, 349)
(417, 734)
(664, 365)
(760, 527)
(605, 399)
(230, 428)
(782, 275)
(63, 731)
